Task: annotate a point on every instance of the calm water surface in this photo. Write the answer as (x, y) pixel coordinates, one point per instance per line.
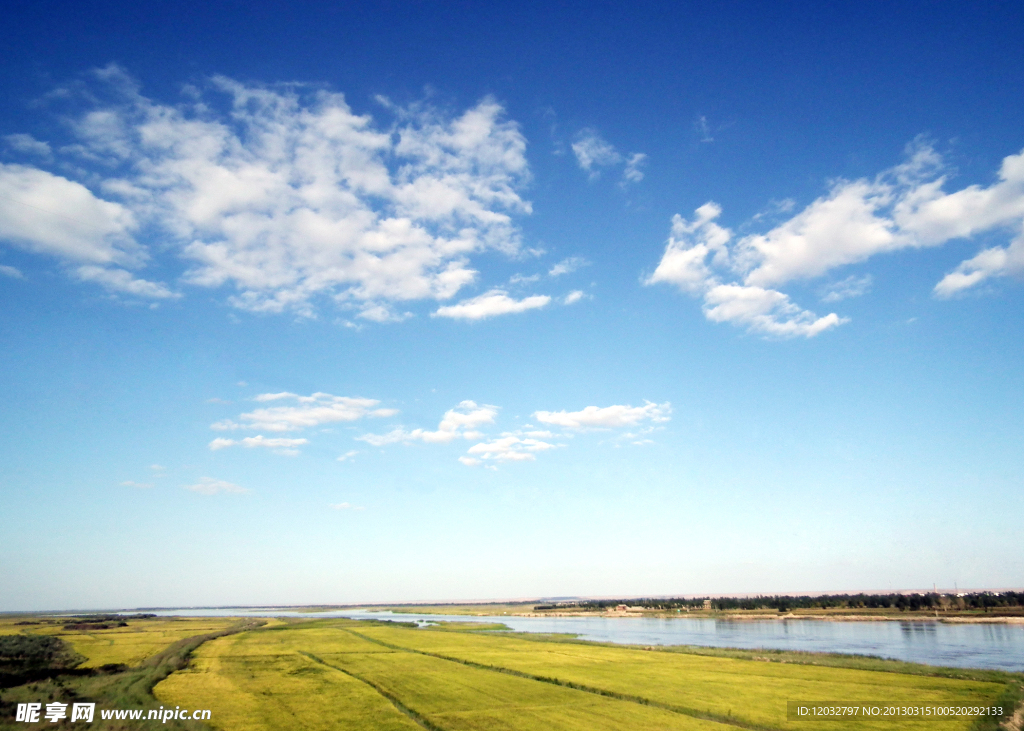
(995, 646)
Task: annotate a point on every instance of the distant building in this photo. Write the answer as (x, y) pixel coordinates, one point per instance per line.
(707, 604)
(621, 608)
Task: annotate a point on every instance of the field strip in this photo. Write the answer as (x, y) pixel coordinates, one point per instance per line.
(640, 700)
(417, 717)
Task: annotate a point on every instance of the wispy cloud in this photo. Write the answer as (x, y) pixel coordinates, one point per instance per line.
(119, 280)
(490, 304)
(348, 455)
(607, 417)
(567, 266)
(211, 486)
(279, 445)
(703, 129)
(852, 286)
(593, 153)
(304, 411)
(28, 144)
(133, 483)
(345, 506)
(12, 272)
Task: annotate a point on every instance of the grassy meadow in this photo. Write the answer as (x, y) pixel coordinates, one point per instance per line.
(327, 674)
(116, 668)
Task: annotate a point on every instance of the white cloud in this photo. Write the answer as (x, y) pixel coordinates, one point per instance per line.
(348, 455)
(764, 310)
(523, 279)
(993, 262)
(210, 486)
(632, 173)
(157, 467)
(279, 445)
(903, 207)
(506, 448)
(344, 506)
(376, 312)
(12, 272)
(608, 417)
(573, 297)
(28, 144)
(49, 214)
(852, 286)
(567, 266)
(287, 197)
(489, 304)
(460, 422)
(118, 280)
(133, 483)
(305, 411)
(703, 129)
(593, 152)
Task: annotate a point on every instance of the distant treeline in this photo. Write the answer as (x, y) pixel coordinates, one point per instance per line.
(932, 601)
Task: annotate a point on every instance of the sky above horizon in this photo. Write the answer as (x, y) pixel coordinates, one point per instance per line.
(395, 302)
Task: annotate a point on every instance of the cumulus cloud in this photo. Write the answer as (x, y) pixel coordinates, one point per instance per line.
(463, 421)
(593, 152)
(279, 445)
(49, 214)
(506, 448)
(608, 417)
(903, 207)
(210, 486)
(575, 296)
(302, 412)
(489, 304)
(281, 193)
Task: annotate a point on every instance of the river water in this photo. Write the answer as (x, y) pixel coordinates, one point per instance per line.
(993, 646)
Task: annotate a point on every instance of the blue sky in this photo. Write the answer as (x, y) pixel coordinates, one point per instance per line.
(423, 301)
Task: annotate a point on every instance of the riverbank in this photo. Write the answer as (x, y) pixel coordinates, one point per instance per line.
(837, 615)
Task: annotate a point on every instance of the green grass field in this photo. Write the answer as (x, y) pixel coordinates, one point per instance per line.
(129, 645)
(342, 674)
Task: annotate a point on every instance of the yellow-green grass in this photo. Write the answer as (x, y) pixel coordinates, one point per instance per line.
(458, 697)
(260, 681)
(753, 692)
(129, 645)
(323, 677)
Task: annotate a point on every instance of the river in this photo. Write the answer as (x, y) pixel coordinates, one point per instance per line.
(992, 646)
